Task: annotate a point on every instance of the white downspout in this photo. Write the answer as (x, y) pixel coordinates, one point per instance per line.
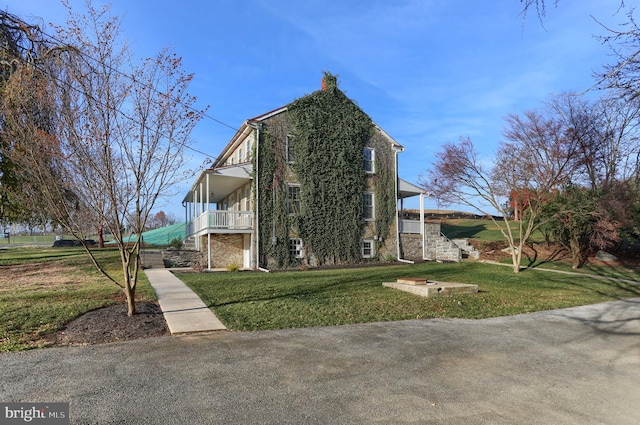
(396, 198)
(256, 127)
(422, 225)
(397, 215)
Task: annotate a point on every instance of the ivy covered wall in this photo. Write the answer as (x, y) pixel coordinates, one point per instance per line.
(328, 133)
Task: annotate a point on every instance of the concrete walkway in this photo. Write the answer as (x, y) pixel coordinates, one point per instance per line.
(183, 310)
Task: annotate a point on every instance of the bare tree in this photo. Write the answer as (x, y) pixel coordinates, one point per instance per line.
(606, 131)
(120, 135)
(535, 160)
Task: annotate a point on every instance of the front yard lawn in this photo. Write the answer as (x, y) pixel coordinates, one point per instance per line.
(260, 301)
(42, 289)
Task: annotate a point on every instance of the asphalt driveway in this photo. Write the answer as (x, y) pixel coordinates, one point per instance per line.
(574, 366)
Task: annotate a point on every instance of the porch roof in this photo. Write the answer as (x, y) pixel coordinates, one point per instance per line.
(407, 190)
(222, 181)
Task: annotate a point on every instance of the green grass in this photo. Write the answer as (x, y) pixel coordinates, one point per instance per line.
(480, 229)
(483, 230)
(260, 301)
(61, 285)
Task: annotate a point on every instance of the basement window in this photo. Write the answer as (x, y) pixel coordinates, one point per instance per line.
(367, 248)
(296, 248)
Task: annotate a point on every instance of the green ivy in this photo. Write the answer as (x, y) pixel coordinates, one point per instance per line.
(384, 184)
(274, 222)
(331, 132)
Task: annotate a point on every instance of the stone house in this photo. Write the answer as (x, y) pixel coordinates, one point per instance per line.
(311, 183)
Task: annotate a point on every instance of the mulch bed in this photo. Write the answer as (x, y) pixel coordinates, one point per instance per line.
(111, 324)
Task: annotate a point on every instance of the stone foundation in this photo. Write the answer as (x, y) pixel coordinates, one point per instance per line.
(226, 249)
(178, 258)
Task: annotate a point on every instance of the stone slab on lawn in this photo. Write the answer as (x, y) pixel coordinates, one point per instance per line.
(434, 289)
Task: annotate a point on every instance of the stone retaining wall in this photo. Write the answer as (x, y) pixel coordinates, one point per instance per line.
(183, 258)
(437, 246)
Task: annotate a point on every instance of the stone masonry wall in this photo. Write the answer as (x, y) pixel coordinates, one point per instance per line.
(411, 246)
(183, 258)
(226, 249)
(438, 247)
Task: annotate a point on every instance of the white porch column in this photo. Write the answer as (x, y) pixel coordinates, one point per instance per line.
(208, 251)
(208, 194)
(195, 215)
(195, 204)
(201, 199)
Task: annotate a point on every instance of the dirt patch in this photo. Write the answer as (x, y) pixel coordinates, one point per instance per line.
(111, 324)
(31, 275)
(492, 251)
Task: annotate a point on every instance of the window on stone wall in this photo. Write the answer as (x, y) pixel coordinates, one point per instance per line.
(293, 199)
(368, 206)
(290, 151)
(367, 248)
(369, 160)
(296, 248)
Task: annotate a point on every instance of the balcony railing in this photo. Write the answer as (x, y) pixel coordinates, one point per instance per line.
(219, 221)
(409, 226)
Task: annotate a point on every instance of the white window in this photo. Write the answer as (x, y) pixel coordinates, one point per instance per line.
(368, 206)
(296, 249)
(293, 199)
(239, 155)
(248, 150)
(367, 248)
(369, 160)
(290, 150)
(232, 159)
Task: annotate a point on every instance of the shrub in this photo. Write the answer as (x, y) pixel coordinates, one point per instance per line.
(176, 243)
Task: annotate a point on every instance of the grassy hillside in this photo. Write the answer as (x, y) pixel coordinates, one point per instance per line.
(480, 229)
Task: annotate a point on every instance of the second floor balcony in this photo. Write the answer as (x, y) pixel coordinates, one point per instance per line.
(221, 221)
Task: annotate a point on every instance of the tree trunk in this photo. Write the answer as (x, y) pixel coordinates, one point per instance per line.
(130, 281)
(578, 254)
(130, 293)
(516, 257)
(101, 236)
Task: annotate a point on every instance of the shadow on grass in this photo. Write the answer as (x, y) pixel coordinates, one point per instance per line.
(535, 260)
(454, 232)
(298, 292)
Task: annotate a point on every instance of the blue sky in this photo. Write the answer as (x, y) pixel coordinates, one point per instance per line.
(427, 71)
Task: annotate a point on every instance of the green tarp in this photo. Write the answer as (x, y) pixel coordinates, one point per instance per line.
(161, 236)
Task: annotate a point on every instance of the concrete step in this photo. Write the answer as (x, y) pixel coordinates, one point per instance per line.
(189, 244)
(152, 259)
